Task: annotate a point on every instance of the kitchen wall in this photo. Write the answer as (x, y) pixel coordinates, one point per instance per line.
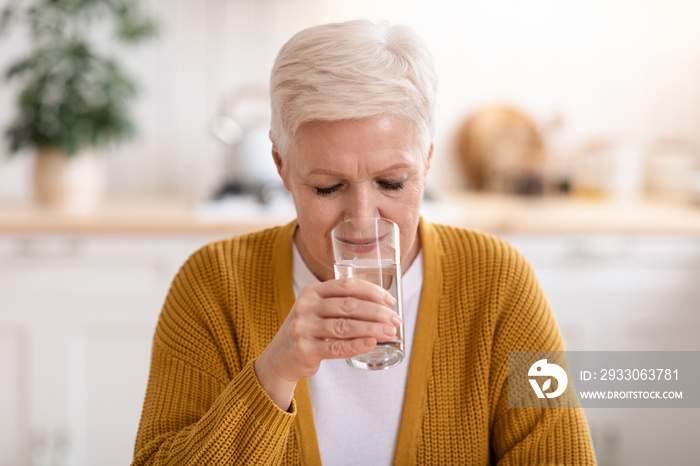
(628, 69)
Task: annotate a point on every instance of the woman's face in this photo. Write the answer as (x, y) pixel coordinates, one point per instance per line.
(353, 168)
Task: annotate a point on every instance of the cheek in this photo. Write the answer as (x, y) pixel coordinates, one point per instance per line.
(407, 206)
(416, 196)
(409, 213)
(313, 212)
(316, 219)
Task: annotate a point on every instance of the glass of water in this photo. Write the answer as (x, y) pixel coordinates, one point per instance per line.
(369, 249)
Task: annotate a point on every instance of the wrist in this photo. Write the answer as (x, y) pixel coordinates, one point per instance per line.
(278, 388)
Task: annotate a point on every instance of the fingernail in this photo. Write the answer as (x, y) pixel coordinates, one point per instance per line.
(395, 319)
(389, 299)
(389, 330)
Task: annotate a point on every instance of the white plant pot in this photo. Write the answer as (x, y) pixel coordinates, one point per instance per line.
(72, 185)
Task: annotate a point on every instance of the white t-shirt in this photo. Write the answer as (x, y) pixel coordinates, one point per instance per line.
(357, 413)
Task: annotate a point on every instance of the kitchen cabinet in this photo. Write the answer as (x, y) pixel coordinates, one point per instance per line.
(77, 314)
(626, 293)
(620, 292)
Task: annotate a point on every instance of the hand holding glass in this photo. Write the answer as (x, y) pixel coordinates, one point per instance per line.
(369, 249)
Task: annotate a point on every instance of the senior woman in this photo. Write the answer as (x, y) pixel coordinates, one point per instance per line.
(247, 363)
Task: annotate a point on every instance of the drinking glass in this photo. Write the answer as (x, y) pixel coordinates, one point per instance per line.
(369, 249)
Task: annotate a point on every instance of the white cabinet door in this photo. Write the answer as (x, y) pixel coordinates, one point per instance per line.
(13, 396)
(107, 374)
(626, 293)
(77, 317)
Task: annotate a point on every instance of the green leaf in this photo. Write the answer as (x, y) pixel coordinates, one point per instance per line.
(71, 95)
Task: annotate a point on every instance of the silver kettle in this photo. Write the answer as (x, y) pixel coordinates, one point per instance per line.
(243, 124)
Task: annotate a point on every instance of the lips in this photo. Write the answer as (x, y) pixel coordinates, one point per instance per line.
(362, 245)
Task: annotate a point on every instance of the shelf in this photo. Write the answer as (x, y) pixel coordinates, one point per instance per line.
(497, 214)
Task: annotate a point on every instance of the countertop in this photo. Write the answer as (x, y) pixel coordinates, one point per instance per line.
(497, 214)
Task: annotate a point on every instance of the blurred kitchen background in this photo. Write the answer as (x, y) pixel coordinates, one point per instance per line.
(570, 128)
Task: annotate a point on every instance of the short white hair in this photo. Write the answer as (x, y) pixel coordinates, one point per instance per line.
(352, 70)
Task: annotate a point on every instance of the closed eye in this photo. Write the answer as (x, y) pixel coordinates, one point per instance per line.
(327, 191)
(391, 186)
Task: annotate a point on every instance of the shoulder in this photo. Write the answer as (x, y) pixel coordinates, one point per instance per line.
(236, 254)
(204, 299)
(473, 249)
(212, 273)
(490, 280)
(481, 269)
(245, 244)
(448, 234)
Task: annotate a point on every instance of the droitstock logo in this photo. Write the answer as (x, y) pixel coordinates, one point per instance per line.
(603, 379)
(542, 368)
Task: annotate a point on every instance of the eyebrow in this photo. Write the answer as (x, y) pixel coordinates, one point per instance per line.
(325, 171)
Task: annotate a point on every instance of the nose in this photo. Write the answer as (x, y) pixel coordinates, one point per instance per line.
(362, 202)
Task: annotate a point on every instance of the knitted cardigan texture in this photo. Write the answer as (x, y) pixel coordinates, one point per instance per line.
(480, 299)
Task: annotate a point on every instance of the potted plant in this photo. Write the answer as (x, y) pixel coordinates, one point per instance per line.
(73, 99)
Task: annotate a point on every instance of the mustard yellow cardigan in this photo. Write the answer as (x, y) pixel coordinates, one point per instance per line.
(480, 299)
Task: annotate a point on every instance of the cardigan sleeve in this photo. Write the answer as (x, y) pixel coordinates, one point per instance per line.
(533, 436)
(194, 413)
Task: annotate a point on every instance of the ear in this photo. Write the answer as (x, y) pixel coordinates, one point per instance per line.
(430, 157)
(278, 162)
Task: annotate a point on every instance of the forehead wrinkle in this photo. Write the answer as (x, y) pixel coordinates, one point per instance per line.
(320, 149)
(331, 172)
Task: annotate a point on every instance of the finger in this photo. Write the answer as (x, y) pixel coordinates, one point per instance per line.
(358, 309)
(353, 329)
(338, 349)
(357, 288)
